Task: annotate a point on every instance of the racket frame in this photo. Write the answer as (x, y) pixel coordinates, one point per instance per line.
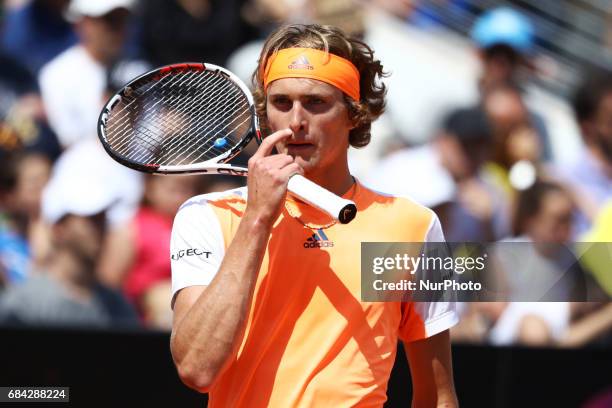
(217, 165)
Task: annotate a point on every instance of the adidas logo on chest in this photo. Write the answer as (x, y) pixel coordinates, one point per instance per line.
(318, 240)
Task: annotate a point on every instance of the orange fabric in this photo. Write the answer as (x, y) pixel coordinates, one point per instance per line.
(309, 340)
(313, 64)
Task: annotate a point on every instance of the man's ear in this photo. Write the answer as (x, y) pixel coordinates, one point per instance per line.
(351, 121)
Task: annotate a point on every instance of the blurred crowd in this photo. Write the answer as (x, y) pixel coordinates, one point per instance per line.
(85, 241)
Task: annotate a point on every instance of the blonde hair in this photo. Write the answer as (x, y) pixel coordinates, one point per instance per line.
(330, 39)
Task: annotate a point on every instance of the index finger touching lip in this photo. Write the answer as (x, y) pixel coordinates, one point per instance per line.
(268, 142)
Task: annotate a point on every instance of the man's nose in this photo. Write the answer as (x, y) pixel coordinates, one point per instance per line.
(298, 120)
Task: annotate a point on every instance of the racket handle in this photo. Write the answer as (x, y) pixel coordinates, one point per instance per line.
(341, 209)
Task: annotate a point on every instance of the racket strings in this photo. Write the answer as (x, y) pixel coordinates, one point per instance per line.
(178, 118)
(216, 130)
(186, 123)
(139, 96)
(128, 100)
(127, 116)
(219, 116)
(207, 110)
(167, 127)
(147, 112)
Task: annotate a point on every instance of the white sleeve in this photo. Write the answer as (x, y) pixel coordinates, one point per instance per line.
(441, 314)
(196, 246)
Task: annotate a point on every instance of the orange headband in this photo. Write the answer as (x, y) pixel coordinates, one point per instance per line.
(313, 64)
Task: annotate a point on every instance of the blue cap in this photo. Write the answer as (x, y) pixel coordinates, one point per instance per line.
(504, 26)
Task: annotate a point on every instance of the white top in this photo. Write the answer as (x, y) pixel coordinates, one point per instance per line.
(72, 88)
(413, 172)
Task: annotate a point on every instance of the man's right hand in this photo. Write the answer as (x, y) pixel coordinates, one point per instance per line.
(268, 178)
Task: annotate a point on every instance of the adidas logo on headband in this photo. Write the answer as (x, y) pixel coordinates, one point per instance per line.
(300, 63)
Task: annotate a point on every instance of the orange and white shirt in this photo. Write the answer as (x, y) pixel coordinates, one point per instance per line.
(310, 340)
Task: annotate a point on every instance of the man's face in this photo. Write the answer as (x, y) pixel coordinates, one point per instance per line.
(553, 222)
(82, 236)
(33, 175)
(500, 63)
(105, 35)
(603, 127)
(453, 157)
(317, 115)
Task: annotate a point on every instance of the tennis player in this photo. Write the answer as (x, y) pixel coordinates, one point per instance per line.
(266, 289)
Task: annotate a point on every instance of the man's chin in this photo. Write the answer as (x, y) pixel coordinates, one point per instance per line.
(306, 163)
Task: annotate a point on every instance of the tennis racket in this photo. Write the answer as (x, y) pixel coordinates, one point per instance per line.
(193, 118)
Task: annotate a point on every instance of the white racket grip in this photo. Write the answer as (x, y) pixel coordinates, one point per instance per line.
(341, 209)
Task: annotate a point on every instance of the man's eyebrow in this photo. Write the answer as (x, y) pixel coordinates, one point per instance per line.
(316, 95)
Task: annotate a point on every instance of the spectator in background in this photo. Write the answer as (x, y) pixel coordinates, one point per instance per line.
(137, 258)
(87, 159)
(515, 141)
(23, 123)
(477, 212)
(27, 147)
(64, 291)
(542, 216)
(23, 176)
(469, 207)
(192, 30)
(266, 15)
(598, 247)
(589, 176)
(506, 40)
(535, 271)
(36, 32)
(73, 83)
